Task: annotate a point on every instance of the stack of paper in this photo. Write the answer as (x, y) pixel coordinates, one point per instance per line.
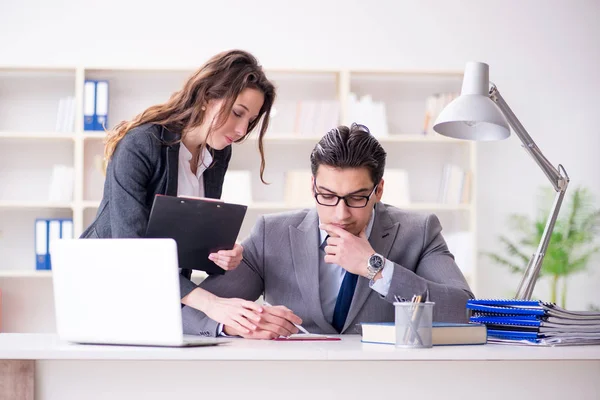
(535, 322)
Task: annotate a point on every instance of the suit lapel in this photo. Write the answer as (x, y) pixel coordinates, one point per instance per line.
(382, 238)
(304, 241)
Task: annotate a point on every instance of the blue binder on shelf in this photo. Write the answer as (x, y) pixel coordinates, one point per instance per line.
(46, 232)
(101, 112)
(89, 105)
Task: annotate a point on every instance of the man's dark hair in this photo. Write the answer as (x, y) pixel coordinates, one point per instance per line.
(353, 147)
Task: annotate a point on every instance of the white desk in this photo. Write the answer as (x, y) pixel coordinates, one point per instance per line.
(345, 369)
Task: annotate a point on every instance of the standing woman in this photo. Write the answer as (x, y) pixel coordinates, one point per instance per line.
(183, 147)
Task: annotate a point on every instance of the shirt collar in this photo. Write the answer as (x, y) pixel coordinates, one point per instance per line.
(323, 234)
(186, 155)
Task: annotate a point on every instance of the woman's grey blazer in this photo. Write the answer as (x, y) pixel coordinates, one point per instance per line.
(144, 164)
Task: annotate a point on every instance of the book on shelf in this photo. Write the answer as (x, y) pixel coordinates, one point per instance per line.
(535, 322)
(434, 104)
(316, 117)
(397, 190)
(368, 112)
(65, 117)
(47, 231)
(95, 105)
(455, 185)
(297, 192)
(442, 334)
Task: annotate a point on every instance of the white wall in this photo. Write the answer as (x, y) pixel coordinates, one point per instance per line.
(544, 56)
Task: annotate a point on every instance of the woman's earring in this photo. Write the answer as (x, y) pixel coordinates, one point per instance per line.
(203, 108)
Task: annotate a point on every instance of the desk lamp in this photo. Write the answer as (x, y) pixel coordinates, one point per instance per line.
(480, 113)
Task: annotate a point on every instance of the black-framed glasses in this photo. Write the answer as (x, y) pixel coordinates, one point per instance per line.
(351, 200)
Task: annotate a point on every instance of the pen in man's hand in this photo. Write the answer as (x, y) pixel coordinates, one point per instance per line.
(296, 325)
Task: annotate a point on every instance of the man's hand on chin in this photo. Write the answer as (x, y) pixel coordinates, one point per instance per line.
(349, 251)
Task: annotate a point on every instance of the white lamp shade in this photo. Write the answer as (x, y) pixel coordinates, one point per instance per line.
(473, 115)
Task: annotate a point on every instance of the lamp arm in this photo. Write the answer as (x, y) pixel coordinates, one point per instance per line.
(559, 179)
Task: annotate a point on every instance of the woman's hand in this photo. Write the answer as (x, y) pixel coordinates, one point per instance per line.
(275, 321)
(242, 315)
(228, 259)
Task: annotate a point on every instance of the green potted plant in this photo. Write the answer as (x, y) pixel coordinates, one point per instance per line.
(572, 243)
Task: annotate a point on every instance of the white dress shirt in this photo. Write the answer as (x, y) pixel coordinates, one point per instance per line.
(332, 275)
(189, 183)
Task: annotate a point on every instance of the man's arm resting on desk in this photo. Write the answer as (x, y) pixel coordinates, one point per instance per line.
(245, 282)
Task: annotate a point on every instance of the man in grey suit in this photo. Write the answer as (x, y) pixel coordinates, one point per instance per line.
(341, 263)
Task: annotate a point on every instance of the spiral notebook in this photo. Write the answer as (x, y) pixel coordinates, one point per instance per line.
(534, 322)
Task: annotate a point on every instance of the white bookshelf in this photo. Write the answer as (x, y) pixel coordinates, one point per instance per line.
(30, 146)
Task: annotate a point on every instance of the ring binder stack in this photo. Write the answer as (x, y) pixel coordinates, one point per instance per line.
(534, 322)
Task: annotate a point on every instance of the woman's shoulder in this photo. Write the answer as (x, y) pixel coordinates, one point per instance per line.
(151, 134)
(145, 141)
(148, 138)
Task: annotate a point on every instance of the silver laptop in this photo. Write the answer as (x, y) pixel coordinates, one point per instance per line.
(119, 291)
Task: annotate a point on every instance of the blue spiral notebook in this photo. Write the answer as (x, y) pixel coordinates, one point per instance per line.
(534, 322)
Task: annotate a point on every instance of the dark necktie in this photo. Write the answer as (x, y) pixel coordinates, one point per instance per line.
(342, 304)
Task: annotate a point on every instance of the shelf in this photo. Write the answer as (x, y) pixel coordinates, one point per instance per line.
(36, 135)
(437, 207)
(415, 206)
(31, 95)
(99, 135)
(293, 138)
(393, 138)
(90, 204)
(34, 204)
(274, 206)
(26, 273)
(269, 138)
(94, 135)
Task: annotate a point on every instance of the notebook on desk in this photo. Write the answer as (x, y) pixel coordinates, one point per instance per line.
(200, 226)
(534, 321)
(442, 334)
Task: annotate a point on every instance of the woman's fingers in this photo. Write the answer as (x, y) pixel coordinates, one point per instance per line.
(236, 252)
(238, 327)
(225, 262)
(245, 322)
(250, 305)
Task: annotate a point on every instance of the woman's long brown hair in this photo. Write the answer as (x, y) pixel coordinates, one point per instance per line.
(224, 76)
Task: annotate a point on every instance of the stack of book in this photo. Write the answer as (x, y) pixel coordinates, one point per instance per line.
(442, 334)
(534, 322)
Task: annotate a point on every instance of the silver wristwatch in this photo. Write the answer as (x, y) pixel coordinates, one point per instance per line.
(374, 265)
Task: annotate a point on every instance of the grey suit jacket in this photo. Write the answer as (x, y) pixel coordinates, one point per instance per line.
(144, 164)
(281, 262)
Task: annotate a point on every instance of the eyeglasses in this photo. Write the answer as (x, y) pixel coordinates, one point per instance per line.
(351, 200)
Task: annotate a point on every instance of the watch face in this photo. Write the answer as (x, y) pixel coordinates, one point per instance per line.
(376, 261)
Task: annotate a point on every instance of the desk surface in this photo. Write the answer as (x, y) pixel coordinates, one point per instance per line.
(23, 346)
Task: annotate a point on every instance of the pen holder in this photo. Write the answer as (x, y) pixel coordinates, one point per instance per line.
(413, 324)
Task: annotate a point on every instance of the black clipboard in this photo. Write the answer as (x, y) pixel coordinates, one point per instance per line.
(199, 226)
